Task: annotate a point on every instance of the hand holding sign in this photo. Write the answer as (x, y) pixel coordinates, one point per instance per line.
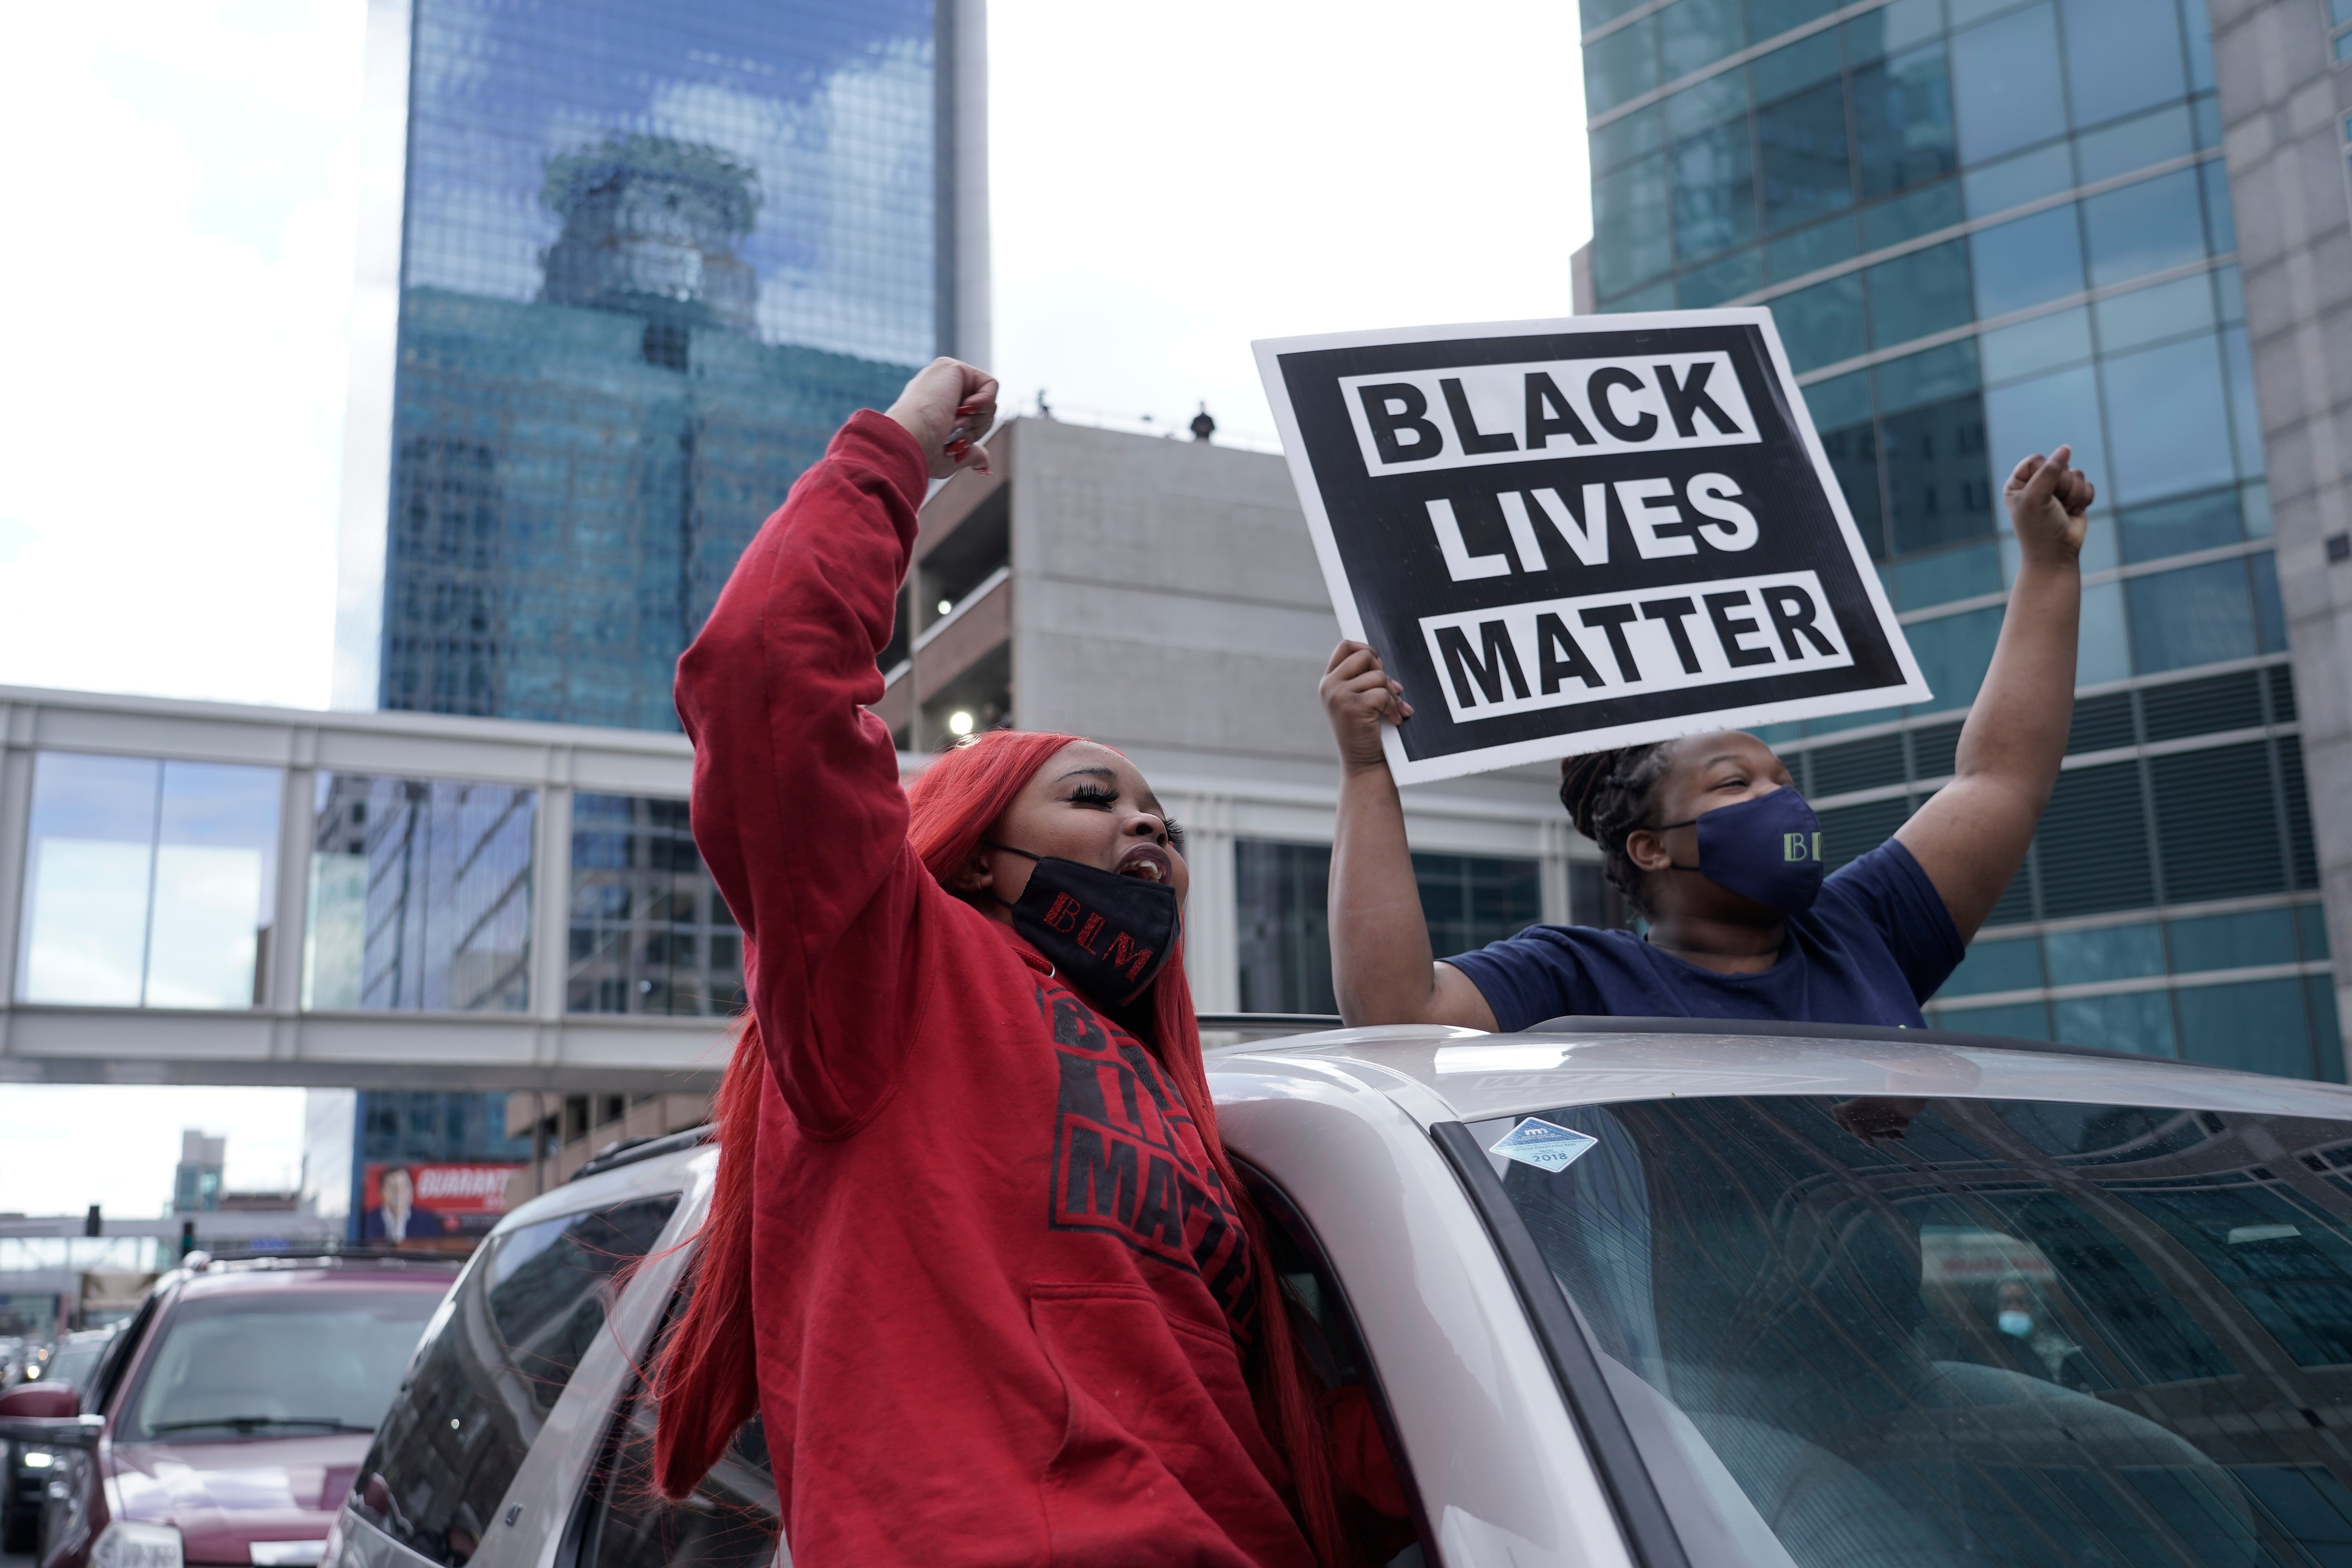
(1361, 699)
(1575, 534)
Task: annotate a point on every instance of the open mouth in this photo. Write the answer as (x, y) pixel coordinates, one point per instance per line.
(1149, 863)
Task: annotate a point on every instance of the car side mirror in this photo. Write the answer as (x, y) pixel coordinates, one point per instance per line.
(53, 1431)
(46, 1400)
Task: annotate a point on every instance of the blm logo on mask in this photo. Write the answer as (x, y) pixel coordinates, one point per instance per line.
(1572, 534)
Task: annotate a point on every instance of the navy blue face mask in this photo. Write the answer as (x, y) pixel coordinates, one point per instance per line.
(1768, 848)
(1107, 934)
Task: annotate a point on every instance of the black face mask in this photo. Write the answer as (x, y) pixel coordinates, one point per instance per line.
(1107, 934)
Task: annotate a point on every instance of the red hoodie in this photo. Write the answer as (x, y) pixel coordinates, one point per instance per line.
(996, 1282)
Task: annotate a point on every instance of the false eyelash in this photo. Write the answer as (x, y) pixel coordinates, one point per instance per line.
(1095, 794)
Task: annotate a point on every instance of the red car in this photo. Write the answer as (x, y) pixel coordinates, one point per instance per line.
(230, 1415)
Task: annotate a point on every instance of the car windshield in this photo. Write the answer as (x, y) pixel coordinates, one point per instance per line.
(276, 1364)
(1877, 1333)
(71, 1366)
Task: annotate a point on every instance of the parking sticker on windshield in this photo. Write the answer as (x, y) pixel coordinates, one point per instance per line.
(1538, 1142)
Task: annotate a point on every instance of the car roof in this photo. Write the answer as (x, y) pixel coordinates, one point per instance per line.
(631, 1150)
(1464, 1075)
(1439, 1074)
(248, 1277)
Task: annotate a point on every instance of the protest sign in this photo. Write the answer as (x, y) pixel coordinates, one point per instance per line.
(1567, 536)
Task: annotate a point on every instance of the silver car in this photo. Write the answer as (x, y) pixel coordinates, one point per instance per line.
(1709, 1294)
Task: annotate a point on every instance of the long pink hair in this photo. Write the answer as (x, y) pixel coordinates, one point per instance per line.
(706, 1379)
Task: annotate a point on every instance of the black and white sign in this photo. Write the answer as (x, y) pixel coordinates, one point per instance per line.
(1573, 534)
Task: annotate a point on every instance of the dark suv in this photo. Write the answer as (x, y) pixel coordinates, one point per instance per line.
(225, 1421)
(72, 1365)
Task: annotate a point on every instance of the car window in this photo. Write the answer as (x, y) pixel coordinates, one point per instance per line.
(1376, 1497)
(731, 1520)
(494, 1362)
(275, 1363)
(120, 1348)
(1954, 1333)
(71, 1366)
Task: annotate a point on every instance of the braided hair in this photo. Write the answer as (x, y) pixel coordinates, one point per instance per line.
(1608, 796)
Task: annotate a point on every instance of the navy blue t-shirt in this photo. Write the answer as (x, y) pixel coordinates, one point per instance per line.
(1874, 945)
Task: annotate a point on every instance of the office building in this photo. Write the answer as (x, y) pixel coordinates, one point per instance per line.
(1985, 228)
(197, 1179)
(647, 258)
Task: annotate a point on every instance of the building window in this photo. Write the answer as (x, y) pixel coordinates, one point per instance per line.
(2339, 33)
(2343, 42)
(420, 896)
(2191, 985)
(436, 1125)
(1284, 936)
(1470, 901)
(649, 931)
(149, 884)
(2091, 852)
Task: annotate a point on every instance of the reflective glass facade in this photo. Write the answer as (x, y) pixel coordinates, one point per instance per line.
(652, 257)
(649, 930)
(148, 884)
(1284, 936)
(1984, 228)
(420, 896)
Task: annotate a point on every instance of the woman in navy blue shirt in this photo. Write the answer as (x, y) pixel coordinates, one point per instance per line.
(1709, 838)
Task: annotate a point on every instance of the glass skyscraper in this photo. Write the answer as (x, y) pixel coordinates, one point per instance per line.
(651, 257)
(1985, 228)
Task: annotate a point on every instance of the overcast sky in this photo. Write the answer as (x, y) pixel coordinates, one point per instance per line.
(1172, 182)
(64, 1148)
(1167, 184)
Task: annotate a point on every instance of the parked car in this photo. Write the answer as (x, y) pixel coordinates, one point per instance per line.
(70, 1364)
(225, 1423)
(1705, 1295)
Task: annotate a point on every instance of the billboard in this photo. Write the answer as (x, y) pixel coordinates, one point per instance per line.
(432, 1206)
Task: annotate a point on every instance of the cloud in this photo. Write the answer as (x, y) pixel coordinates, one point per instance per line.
(1168, 186)
(47, 1130)
(170, 421)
